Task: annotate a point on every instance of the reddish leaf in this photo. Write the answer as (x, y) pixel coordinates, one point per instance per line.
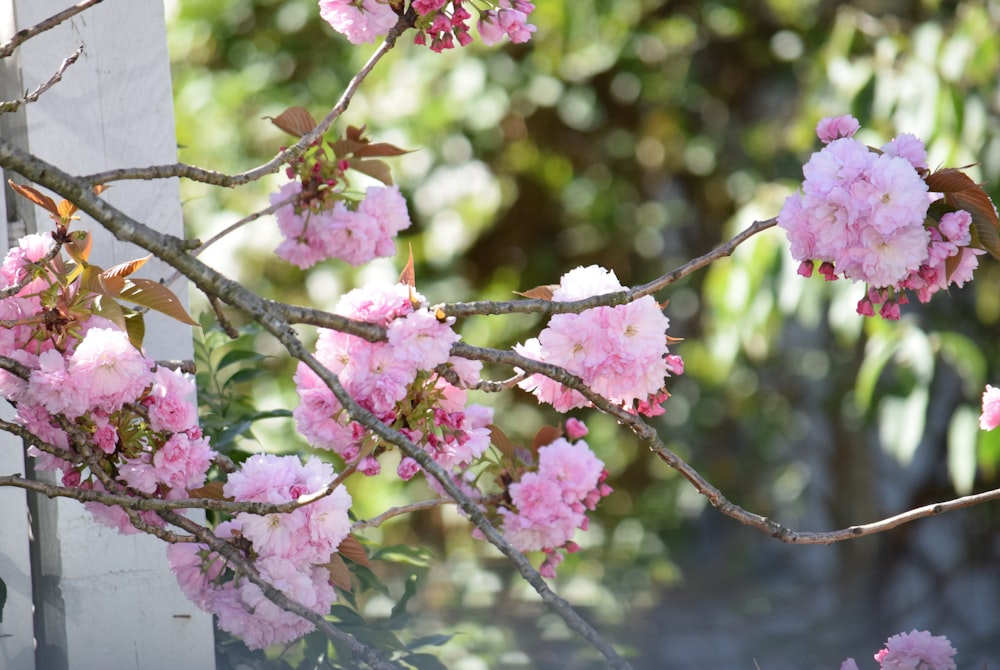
(503, 444)
(985, 223)
(340, 574)
(66, 210)
(409, 276)
(539, 292)
(545, 435)
(36, 197)
(351, 548)
(126, 268)
(295, 121)
(156, 296)
(373, 168)
(949, 180)
(344, 147)
(356, 134)
(211, 490)
(380, 149)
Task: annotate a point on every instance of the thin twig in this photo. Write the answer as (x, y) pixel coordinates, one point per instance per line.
(13, 105)
(421, 506)
(22, 36)
(221, 179)
(548, 307)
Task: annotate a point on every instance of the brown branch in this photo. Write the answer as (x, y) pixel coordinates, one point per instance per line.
(548, 307)
(722, 251)
(22, 36)
(221, 179)
(376, 521)
(13, 105)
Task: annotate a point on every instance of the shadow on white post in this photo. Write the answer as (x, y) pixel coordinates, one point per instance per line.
(88, 597)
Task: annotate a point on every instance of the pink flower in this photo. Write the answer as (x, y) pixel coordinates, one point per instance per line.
(421, 340)
(909, 147)
(835, 127)
(109, 368)
(990, 417)
(52, 386)
(359, 21)
(572, 466)
(575, 429)
(170, 401)
(916, 650)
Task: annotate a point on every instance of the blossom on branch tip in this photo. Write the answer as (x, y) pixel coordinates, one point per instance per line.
(618, 352)
(865, 215)
(990, 416)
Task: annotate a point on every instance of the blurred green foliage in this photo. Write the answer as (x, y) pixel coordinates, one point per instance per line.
(637, 134)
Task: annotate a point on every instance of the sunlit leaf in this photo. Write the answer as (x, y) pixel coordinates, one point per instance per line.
(126, 268)
(35, 196)
(212, 490)
(408, 276)
(78, 246)
(111, 310)
(295, 121)
(539, 292)
(135, 327)
(66, 210)
(156, 296)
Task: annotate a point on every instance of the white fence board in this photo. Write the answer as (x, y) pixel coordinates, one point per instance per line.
(110, 601)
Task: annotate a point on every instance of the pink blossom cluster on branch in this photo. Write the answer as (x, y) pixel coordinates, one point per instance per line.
(396, 380)
(916, 650)
(440, 23)
(84, 371)
(871, 216)
(619, 352)
(320, 226)
(289, 550)
(548, 503)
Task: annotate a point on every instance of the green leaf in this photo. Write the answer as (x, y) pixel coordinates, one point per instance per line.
(425, 662)
(430, 641)
(962, 437)
(398, 615)
(238, 356)
(399, 553)
(243, 376)
(347, 616)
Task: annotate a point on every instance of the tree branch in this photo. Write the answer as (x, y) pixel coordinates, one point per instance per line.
(22, 36)
(221, 179)
(171, 250)
(13, 105)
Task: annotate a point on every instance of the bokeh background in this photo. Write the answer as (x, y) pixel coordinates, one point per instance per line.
(637, 134)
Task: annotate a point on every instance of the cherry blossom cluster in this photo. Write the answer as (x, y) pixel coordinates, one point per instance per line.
(289, 550)
(440, 23)
(86, 375)
(916, 650)
(865, 214)
(550, 501)
(619, 352)
(397, 380)
(317, 224)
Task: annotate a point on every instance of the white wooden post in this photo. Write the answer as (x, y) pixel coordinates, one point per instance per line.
(102, 600)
